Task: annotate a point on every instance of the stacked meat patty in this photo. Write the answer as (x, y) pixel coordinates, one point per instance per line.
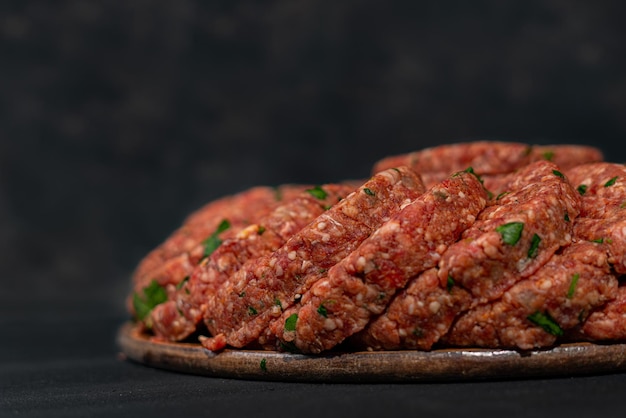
(481, 244)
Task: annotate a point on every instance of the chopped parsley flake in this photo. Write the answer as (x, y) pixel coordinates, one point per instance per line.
(598, 240)
(440, 194)
(277, 303)
(511, 232)
(260, 230)
(290, 323)
(211, 243)
(263, 365)
(548, 155)
(566, 217)
(545, 321)
(289, 346)
(278, 194)
(534, 246)
(470, 170)
(558, 173)
(182, 283)
(610, 182)
(317, 192)
(369, 192)
(450, 283)
(252, 311)
(322, 310)
(572, 286)
(582, 189)
(242, 295)
(154, 294)
(501, 195)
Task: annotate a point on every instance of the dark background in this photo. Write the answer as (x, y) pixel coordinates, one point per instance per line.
(117, 119)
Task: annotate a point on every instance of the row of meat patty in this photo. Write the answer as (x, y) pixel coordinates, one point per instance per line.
(480, 244)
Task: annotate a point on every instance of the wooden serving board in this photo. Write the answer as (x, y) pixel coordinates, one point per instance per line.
(376, 366)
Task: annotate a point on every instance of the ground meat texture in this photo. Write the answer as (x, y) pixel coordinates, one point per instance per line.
(240, 210)
(536, 311)
(245, 305)
(362, 284)
(176, 321)
(417, 317)
(602, 187)
(609, 234)
(513, 238)
(609, 322)
(174, 260)
(489, 157)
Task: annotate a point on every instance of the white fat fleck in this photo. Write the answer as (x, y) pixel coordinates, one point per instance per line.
(462, 195)
(420, 304)
(321, 226)
(272, 262)
(546, 284)
(434, 306)
(360, 262)
(329, 324)
(291, 255)
(326, 237)
(406, 203)
(279, 271)
(402, 332)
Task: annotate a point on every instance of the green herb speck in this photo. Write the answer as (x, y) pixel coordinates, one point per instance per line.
(260, 230)
(610, 182)
(501, 195)
(182, 283)
(572, 286)
(534, 246)
(548, 155)
(317, 192)
(263, 365)
(450, 283)
(211, 243)
(290, 323)
(252, 311)
(582, 189)
(558, 173)
(566, 217)
(369, 192)
(545, 321)
(322, 310)
(598, 240)
(511, 232)
(152, 295)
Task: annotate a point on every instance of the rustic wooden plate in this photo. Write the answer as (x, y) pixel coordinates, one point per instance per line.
(381, 366)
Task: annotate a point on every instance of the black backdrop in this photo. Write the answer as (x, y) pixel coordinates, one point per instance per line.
(119, 118)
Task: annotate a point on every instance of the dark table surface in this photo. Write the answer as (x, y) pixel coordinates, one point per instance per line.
(117, 119)
(68, 365)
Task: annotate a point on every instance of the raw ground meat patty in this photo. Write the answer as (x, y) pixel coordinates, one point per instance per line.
(241, 309)
(489, 157)
(363, 283)
(179, 317)
(476, 244)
